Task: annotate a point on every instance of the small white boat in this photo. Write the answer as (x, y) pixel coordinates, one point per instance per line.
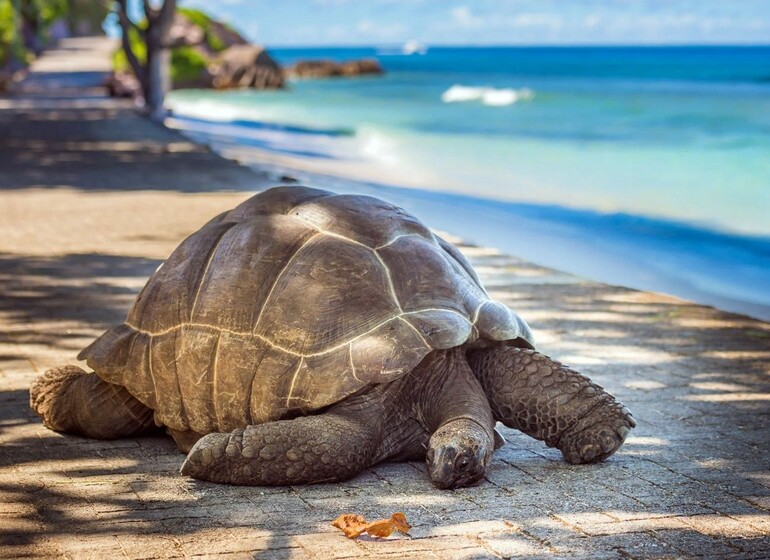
(413, 46)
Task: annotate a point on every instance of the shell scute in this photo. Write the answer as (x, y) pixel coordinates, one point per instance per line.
(334, 291)
(166, 300)
(390, 351)
(362, 219)
(249, 259)
(444, 329)
(424, 277)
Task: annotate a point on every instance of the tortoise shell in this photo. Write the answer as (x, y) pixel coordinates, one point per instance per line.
(289, 303)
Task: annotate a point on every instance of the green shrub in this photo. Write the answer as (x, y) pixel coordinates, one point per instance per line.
(187, 65)
(6, 29)
(119, 59)
(8, 39)
(199, 18)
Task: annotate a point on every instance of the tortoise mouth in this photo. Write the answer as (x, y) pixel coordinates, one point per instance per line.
(454, 465)
(458, 454)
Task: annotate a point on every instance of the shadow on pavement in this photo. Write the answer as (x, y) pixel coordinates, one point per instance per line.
(100, 148)
(48, 300)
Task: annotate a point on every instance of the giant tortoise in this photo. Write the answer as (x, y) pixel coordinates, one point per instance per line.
(305, 336)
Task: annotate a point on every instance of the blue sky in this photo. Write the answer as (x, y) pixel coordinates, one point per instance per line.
(506, 22)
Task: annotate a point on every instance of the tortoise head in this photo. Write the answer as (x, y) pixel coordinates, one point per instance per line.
(458, 454)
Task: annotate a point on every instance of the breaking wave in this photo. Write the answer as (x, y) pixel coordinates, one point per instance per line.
(497, 97)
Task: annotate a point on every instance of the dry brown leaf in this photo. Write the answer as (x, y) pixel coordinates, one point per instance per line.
(380, 528)
(355, 525)
(350, 524)
(399, 522)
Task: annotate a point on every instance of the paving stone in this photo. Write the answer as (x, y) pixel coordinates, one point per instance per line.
(334, 545)
(445, 547)
(96, 548)
(512, 545)
(692, 543)
(722, 526)
(750, 545)
(633, 545)
(213, 542)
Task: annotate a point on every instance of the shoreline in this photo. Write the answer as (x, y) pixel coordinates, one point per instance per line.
(590, 244)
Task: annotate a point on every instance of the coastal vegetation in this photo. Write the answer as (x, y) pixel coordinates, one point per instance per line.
(9, 47)
(170, 47)
(29, 26)
(198, 52)
(209, 54)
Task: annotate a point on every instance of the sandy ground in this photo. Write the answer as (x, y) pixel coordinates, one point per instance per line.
(93, 197)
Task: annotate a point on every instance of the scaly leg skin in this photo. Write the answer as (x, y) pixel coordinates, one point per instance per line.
(551, 402)
(330, 447)
(72, 401)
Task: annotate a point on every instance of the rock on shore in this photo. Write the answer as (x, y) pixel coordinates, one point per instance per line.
(122, 84)
(230, 61)
(242, 66)
(331, 68)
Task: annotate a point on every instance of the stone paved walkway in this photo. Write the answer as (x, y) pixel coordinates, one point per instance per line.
(92, 198)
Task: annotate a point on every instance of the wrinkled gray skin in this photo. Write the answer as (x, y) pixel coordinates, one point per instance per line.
(305, 336)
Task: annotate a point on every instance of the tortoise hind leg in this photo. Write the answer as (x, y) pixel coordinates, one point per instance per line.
(329, 447)
(72, 401)
(541, 397)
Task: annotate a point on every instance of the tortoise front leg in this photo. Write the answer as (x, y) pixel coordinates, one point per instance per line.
(551, 402)
(330, 447)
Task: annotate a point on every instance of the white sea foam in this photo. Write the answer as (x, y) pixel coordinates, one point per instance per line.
(496, 97)
(215, 111)
(377, 145)
(208, 110)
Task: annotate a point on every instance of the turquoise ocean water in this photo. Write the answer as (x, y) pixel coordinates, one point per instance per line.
(647, 167)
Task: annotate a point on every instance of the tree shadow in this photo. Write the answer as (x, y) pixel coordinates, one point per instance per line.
(61, 85)
(95, 145)
(51, 307)
(48, 300)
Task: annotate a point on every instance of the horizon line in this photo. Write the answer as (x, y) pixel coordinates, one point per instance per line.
(398, 46)
(517, 45)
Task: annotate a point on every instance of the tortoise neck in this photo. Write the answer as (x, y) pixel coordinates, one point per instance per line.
(449, 391)
(442, 388)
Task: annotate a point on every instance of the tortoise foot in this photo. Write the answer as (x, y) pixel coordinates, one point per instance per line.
(73, 401)
(598, 435)
(49, 392)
